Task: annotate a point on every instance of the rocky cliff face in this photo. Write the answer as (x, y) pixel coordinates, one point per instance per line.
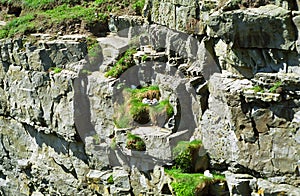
(230, 70)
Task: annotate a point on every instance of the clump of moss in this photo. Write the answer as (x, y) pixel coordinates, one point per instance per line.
(125, 62)
(183, 154)
(139, 110)
(134, 142)
(165, 104)
(186, 184)
(135, 111)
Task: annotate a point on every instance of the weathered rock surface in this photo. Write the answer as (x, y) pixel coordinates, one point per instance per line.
(250, 135)
(217, 63)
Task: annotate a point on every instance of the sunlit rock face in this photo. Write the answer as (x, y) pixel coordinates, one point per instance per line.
(229, 69)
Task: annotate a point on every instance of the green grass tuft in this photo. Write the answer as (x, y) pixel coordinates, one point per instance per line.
(125, 62)
(138, 6)
(257, 89)
(66, 12)
(165, 104)
(185, 184)
(20, 25)
(36, 19)
(56, 70)
(275, 87)
(183, 154)
(110, 179)
(134, 142)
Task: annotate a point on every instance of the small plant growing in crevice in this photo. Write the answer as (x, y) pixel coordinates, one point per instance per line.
(138, 6)
(183, 154)
(121, 118)
(94, 51)
(125, 62)
(274, 88)
(96, 139)
(113, 144)
(144, 57)
(86, 72)
(110, 179)
(134, 142)
(165, 104)
(257, 89)
(55, 70)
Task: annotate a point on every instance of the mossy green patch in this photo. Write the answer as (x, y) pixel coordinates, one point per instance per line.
(36, 20)
(183, 154)
(186, 184)
(113, 144)
(138, 6)
(275, 87)
(257, 89)
(133, 108)
(125, 62)
(134, 142)
(42, 15)
(165, 104)
(110, 180)
(56, 70)
(65, 12)
(20, 25)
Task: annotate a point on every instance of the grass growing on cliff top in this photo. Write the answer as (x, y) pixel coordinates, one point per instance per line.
(23, 24)
(41, 20)
(48, 15)
(186, 184)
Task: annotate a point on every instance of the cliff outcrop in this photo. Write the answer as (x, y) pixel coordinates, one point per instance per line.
(226, 73)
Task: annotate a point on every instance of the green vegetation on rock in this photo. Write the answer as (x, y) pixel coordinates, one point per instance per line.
(113, 144)
(56, 70)
(164, 104)
(275, 87)
(183, 154)
(49, 15)
(257, 89)
(185, 184)
(125, 62)
(24, 24)
(138, 6)
(134, 142)
(261, 89)
(134, 110)
(110, 180)
(137, 107)
(38, 20)
(38, 4)
(144, 57)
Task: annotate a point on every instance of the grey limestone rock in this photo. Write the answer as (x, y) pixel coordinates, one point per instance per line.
(230, 132)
